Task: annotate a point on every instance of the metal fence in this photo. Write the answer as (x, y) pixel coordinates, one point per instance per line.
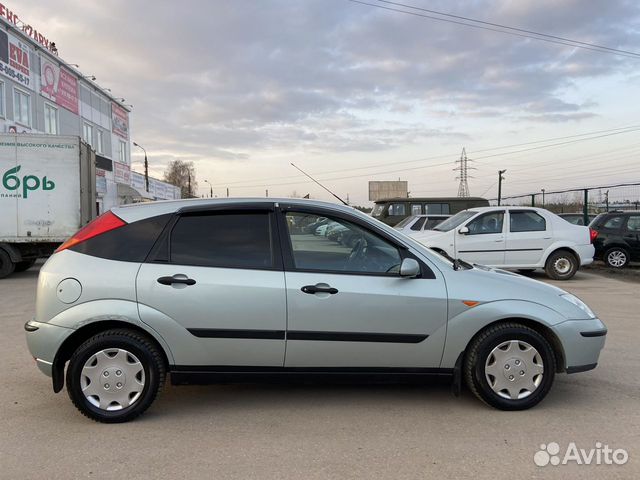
(585, 200)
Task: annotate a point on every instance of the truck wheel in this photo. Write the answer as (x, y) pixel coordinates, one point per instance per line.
(115, 376)
(561, 265)
(6, 265)
(510, 366)
(25, 265)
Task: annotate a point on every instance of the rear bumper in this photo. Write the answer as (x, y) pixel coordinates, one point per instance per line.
(44, 341)
(586, 253)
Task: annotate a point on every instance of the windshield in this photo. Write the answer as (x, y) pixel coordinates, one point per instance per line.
(453, 222)
(377, 210)
(405, 222)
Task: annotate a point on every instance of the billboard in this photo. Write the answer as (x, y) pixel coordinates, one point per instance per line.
(121, 173)
(120, 121)
(388, 189)
(58, 85)
(15, 60)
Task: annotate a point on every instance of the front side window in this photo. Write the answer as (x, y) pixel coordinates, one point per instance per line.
(378, 209)
(232, 240)
(397, 209)
(633, 224)
(50, 119)
(343, 248)
(487, 223)
(405, 221)
(22, 107)
(527, 222)
(452, 222)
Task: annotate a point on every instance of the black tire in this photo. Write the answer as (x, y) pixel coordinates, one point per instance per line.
(480, 349)
(25, 265)
(145, 350)
(6, 265)
(558, 259)
(616, 253)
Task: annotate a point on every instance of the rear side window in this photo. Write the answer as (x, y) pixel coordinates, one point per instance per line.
(614, 223)
(130, 243)
(397, 209)
(416, 209)
(234, 240)
(527, 222)
(633, 224)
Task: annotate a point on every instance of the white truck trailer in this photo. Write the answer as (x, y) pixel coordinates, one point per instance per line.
(47, 193)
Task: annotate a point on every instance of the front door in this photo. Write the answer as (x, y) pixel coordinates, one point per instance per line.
(347, 304)
(484, 243)
(216, 286)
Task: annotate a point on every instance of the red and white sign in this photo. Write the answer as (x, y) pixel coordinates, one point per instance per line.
(28, 30)
(119, 121)
(58, 85)
(121, 173)
(15, 60)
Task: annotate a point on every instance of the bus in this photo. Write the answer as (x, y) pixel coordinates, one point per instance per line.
(392, 210)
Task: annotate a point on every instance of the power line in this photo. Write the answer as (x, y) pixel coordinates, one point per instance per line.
(522, 30)
(575, 44)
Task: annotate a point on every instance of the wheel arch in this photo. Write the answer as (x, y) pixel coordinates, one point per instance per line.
(73, 341)
(560, 248)
(538, 327)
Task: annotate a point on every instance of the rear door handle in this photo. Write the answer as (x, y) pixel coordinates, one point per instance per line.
(311, 289)
(172, 280)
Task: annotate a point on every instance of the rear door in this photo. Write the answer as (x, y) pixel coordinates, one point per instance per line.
(217, 275)
(485, 242)
(528, 237)
(347, 304)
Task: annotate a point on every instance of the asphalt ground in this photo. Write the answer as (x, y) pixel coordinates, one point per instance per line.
(325, 431)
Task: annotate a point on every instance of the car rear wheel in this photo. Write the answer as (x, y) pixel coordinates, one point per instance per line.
(616, 257)
(115, 376)
(510, 366)
(561, 265)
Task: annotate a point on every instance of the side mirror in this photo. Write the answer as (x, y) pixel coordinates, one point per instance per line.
(463, 230)
(409, 268)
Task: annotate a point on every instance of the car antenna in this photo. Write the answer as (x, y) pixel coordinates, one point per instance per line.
(307, 175)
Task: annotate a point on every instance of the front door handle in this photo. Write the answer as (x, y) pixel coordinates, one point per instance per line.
(311, 289)
(172, 280)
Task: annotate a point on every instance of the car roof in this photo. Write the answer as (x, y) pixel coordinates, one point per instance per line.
(507, 207)
(139, 211)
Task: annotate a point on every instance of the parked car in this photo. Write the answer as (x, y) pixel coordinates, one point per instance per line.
(419, 223)
(523, 238)
(393, 210)
(232, 289)
(576, 218)
(618, 240)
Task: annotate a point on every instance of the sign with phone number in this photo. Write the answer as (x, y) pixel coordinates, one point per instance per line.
(14, 60)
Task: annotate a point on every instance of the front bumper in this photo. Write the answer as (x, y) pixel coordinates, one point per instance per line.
(44, 341)
(582, 341)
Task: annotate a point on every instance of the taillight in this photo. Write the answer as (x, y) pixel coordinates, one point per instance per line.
(593, 234)
(104, 223)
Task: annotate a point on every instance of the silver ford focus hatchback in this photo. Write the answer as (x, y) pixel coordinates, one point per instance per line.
(250, 289)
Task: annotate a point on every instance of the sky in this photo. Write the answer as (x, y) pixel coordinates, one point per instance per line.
(352, 93)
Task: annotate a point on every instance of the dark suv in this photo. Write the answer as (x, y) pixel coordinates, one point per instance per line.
(618, 240)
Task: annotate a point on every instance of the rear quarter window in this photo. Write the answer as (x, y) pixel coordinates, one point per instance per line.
(130, 243)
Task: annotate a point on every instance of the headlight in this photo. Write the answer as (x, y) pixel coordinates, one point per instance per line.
(579, 303)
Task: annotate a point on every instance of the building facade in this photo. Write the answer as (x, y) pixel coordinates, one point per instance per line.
(41, 93)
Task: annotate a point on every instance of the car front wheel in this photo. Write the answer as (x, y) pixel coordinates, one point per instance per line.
(616, 257)
(510, 366)
(115, 376)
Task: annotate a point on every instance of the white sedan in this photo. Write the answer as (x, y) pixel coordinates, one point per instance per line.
(523, 238)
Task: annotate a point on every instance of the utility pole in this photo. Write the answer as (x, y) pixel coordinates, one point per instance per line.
(189, 186)
(500, 179)
(542, 197)
(463, 188)
(211, 188)
(266, 193)
(227, 192)
(606, 199)
(146, 166)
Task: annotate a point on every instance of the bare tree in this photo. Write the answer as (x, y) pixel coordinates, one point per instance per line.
(182, 174)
